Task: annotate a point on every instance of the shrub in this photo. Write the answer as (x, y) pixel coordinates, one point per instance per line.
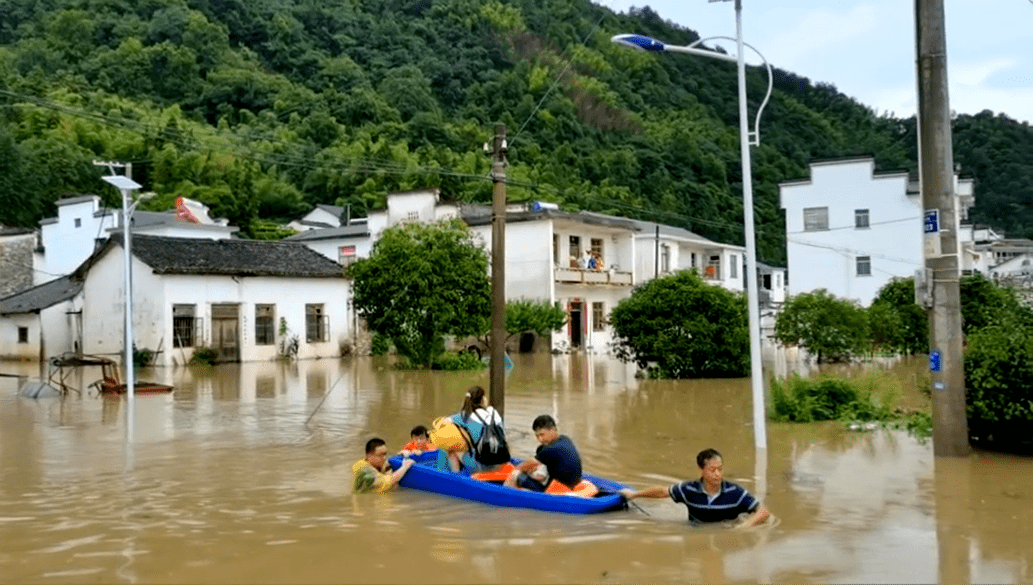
(681, 327)
(797, 399)
(451, 361)
(998, 371)
(380, 344)
(204, 355)
(831, 328)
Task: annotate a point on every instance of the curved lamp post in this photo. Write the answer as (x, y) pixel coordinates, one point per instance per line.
(746, 139)
(126, 186)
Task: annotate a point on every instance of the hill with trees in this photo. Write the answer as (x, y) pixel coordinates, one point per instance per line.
(262, 109)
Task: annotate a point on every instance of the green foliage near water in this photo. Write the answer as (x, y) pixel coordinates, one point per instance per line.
(420, 283)
(263, 109)
(826, 397)
(830, 328)
(204, 355)
(679, 326)
(999, 385)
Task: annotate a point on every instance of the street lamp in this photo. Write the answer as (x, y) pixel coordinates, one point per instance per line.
(126, 186)
(756, 369)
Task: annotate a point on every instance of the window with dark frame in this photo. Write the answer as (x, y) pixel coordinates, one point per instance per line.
(733, 266)
(265, 324)
(861, 218)
(23, 335)
(598, 317)
(346, 256)
(183, 325)
(864, 265)
(815, 219)
(316, 324)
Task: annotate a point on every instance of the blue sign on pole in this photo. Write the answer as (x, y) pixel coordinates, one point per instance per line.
(934, 361)
(932, 221)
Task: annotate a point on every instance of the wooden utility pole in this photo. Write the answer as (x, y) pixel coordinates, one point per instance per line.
(942, 248)
(498, 270)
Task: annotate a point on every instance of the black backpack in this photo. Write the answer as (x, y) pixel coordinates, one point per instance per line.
(491, 447)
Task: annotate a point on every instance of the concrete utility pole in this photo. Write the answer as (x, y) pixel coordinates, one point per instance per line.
(942, 249)
(498, 270)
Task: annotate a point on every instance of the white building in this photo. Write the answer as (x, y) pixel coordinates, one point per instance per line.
(42, 321)
(231, 295)
(547, 253)
(850, 230)
(322, 217)
(82, 225)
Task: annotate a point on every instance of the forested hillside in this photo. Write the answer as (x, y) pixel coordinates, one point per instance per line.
(263, 108)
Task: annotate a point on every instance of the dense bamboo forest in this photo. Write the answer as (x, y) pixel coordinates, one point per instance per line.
(262, 109)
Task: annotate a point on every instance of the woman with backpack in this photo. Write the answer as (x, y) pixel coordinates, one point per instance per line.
(474, 453)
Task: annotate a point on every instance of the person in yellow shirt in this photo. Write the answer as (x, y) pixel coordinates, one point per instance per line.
(372, 473)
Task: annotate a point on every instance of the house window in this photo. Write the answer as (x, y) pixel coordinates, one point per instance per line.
(766, 282)
(556, 249)
(815, 219)
(265, 319)
(346, 256)
(864, 265)
(575, 251)
(733, 266)
(78, 222)
(412, 216)
(693, 260)
(598, 317)
(23, 335)
(597, 247)
(184, 326)
(665, 258)
(861, 218)
(317, 324)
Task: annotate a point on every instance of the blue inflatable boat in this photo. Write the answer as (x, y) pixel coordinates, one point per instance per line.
(426, 476)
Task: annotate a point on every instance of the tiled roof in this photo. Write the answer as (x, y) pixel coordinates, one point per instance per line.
(41, 296)
(166, 255)
(345, 231)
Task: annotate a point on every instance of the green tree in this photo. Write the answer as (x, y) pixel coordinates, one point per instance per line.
(985, 303)
(832, 329)
(420, 283)
(683, 328)
(539, 317)
(897, 321)
(998, 370)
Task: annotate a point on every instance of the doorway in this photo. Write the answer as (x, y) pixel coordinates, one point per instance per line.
(226, 332)
(576, 324)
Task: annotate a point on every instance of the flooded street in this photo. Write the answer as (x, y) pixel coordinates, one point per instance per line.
(224, 482)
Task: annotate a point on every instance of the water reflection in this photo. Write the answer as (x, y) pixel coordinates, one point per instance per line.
(241, 475)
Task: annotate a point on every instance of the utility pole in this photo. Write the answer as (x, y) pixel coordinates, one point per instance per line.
(942, 249)
(498, 270)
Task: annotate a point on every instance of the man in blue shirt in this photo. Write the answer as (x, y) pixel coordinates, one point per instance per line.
(556, 458)
(709, 498)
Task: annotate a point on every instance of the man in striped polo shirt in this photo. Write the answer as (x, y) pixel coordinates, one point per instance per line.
(709, 498)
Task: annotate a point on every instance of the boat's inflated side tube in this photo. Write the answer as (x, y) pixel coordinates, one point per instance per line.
(584, 489)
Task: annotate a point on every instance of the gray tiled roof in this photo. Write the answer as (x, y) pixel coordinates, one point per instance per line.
(345, 231)
(166, 255)
(41, 296)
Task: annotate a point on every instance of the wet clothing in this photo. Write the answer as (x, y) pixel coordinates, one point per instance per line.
(731, 501)
(562, 460)
(366, 478)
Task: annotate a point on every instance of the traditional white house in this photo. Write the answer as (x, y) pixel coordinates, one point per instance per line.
(850, 229)
(322, 217)
(585, 262)
(82, 224)
(42, 321)
(231, 295)
(663, 249)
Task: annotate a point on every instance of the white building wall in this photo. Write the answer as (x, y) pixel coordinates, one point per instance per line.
(65, 244)
(827, 259)
(155, 295)
(528, 258)
(10, 348)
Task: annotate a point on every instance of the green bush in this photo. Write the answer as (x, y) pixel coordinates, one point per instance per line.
(999, 394)
(451, 361)
(798, 399)
(204, 355)
(830, 328)
(380, 344)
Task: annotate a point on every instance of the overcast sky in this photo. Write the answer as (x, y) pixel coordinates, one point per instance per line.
(866, 48)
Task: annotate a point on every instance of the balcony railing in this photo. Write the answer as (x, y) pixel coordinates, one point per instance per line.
(585, 276)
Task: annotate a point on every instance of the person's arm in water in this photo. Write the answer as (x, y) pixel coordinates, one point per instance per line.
(656, 491)
(756, 518)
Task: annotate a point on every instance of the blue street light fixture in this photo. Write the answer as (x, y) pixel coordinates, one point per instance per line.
(746, 139)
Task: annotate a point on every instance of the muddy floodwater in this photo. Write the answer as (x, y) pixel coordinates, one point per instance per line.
(224, 482)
